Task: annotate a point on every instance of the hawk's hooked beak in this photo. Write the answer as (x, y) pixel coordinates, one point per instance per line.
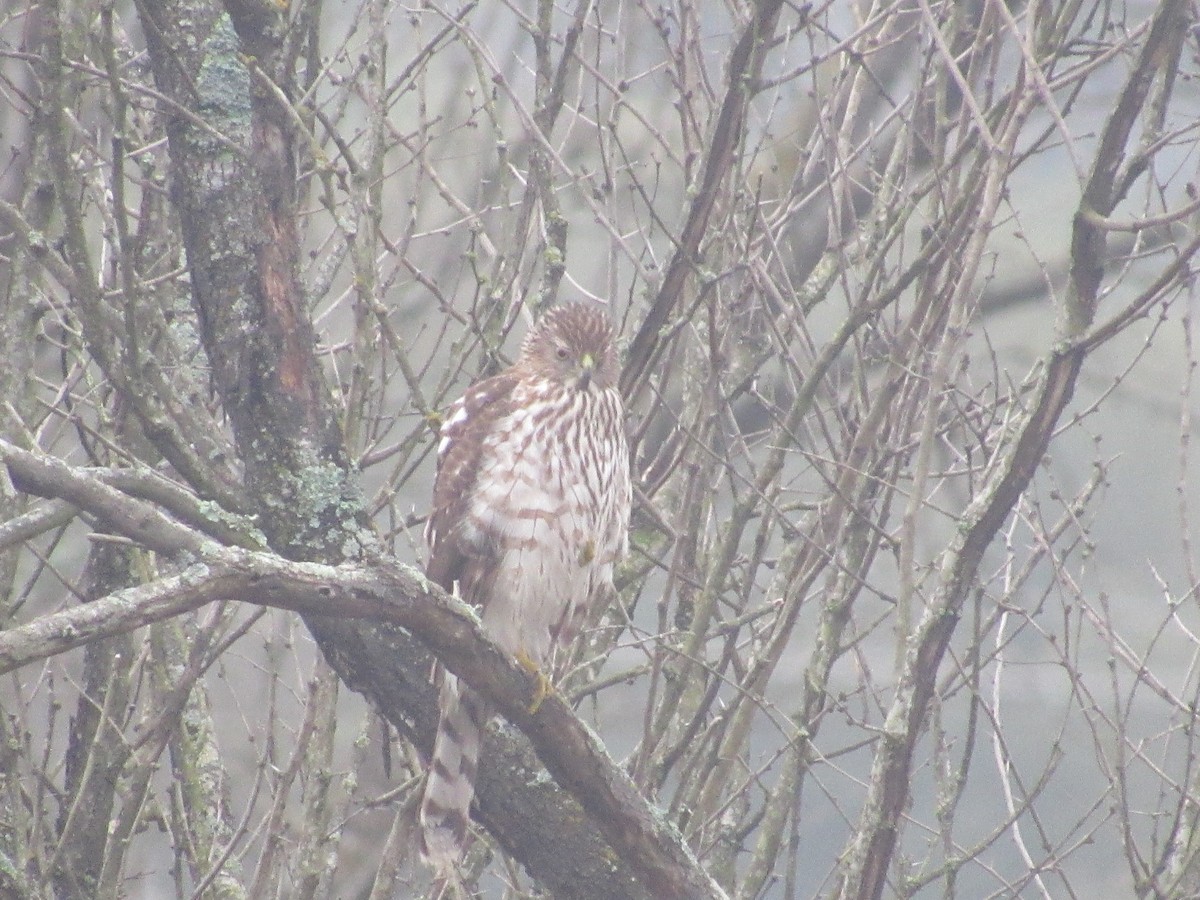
(587, 366)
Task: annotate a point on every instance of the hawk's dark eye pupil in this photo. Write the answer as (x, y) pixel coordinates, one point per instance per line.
(562, 352)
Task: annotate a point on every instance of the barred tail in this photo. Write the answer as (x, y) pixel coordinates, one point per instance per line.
(446, 805)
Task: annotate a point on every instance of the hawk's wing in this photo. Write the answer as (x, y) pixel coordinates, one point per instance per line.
(469, 422)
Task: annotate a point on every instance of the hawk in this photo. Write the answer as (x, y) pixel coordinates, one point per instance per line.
(530, 513)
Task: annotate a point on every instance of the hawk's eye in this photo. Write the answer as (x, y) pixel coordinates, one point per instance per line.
(562, 352)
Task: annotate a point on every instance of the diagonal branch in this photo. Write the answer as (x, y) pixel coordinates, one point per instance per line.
(379, 591)
(869, 858)
(742, 72)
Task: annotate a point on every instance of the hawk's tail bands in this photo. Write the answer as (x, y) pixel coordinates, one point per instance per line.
(446, 805)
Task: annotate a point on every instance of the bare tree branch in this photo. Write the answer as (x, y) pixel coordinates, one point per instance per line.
(380, 592)
(870, 858)
(741, 78)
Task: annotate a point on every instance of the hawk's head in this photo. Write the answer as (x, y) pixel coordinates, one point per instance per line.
(572, 345)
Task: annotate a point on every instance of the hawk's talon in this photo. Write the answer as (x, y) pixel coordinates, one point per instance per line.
(544, 687)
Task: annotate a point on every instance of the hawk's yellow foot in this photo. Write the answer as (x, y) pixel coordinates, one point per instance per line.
(544, 687)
